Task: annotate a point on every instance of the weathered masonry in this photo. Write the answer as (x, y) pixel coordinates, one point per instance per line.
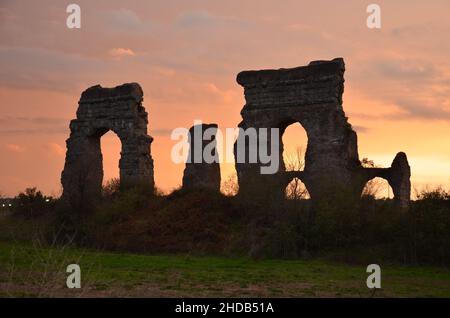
(100, 110)
(202, 174)
(312, 96)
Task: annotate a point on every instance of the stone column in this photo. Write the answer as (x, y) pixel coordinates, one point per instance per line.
(199, 173)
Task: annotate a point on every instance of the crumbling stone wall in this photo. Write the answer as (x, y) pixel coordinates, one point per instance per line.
(100, 110)
(312, 96)
(398, 177)
(202, 175)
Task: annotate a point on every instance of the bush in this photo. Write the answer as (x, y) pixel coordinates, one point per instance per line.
(204, 222)
(32, 203)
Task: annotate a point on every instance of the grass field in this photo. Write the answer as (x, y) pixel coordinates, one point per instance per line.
(36, 271)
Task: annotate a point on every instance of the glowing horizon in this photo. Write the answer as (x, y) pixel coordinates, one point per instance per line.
(186, 57)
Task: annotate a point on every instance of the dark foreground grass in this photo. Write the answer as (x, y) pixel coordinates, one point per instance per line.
(36, 271)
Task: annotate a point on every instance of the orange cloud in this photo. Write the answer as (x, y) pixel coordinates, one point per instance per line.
(15, 148)
(56, 149)
(120, 53)
(186, 58)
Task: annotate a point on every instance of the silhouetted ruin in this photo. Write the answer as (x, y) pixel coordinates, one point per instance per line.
(199, 173)
(310, 95)
(100, 110)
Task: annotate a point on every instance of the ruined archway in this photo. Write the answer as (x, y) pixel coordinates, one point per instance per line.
(398, 176)
(312, 96)
(102, 109)
(377, 188)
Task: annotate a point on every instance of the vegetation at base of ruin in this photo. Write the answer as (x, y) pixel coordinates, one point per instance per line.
(207, 223)
(33, 270)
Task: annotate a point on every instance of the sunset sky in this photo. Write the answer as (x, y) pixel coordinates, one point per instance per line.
(186, 55)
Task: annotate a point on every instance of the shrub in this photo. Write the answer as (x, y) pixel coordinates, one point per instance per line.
(32, 203)
(267, 226)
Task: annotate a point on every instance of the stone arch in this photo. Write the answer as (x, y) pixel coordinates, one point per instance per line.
(312, 96)
(101, 109)
(398, 176)
(376, 187)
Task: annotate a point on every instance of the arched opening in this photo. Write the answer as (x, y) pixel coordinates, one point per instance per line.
(294, 142)
(296, 190)
(111, 151)
(378, 188)
(229, 184)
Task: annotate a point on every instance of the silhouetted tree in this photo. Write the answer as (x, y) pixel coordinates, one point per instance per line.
(30, 203)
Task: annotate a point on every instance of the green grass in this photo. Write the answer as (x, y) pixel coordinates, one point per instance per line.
(28, 270)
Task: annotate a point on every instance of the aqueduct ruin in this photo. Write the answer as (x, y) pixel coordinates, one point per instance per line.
(309, 95)
(100, 110)
(201, 174)
(312, 96)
